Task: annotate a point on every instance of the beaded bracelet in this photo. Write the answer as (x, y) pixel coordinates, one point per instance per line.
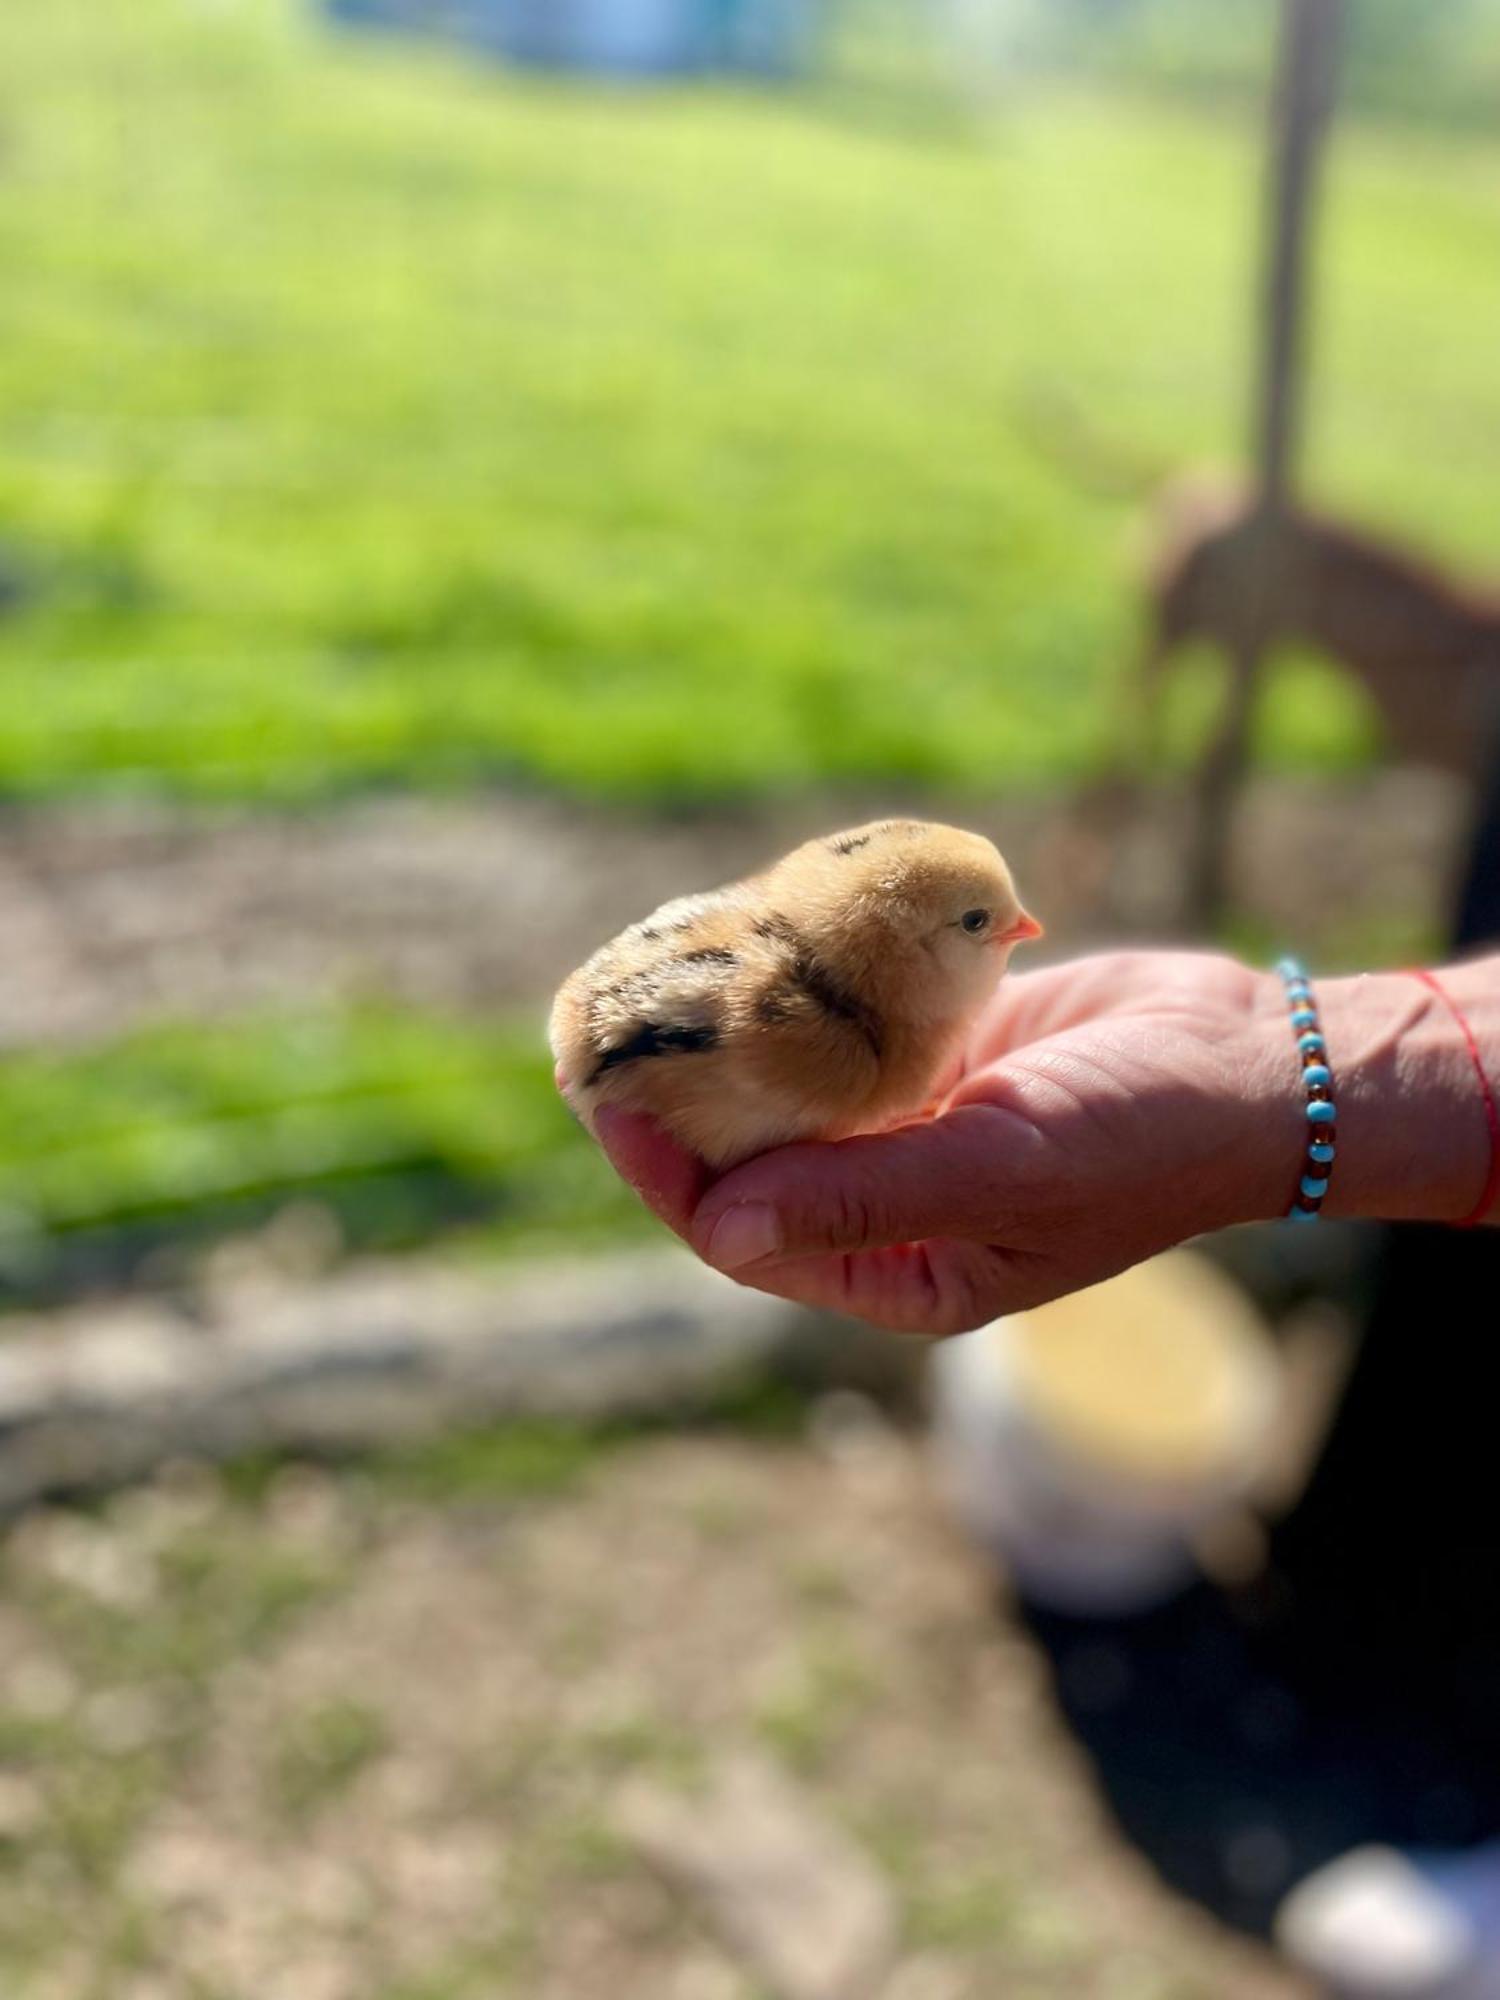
(1317, 1078)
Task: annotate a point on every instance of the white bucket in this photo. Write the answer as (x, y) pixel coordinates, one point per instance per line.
(1086, 1443)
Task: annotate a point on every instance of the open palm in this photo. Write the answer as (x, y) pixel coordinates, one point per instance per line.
(1103, 1111)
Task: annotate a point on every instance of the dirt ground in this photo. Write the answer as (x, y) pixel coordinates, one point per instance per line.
(355, 1738)
(359, 1737)
(115, 916)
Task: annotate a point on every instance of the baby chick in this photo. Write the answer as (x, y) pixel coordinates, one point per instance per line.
(824, 997)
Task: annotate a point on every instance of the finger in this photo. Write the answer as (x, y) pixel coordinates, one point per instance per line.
(669, 1179)
(958, 1176)
(921, 1288)
(934, 1288)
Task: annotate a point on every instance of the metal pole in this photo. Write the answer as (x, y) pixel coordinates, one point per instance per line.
(1307, 66)
(1306, 72)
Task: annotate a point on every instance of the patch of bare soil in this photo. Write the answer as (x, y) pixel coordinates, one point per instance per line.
(403, 1787)
(114, 916)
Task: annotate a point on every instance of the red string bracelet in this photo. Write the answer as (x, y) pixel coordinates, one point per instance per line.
(1491, 1114)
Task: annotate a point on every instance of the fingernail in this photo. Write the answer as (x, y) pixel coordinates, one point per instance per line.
(743, 1235)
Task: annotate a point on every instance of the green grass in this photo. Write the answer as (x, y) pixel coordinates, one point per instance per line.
(542, 1457)
(371, 416)
(322, 1754)
(537, 1459)
(394, 1123)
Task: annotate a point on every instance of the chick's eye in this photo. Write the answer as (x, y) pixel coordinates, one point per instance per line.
(975, 921)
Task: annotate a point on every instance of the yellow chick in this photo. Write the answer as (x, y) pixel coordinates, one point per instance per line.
(824, 997)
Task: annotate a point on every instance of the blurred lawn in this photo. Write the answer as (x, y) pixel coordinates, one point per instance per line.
(367, 415)
(393, 1124)
(372, 416)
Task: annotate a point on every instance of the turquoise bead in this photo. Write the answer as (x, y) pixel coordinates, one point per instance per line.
(1316, 1074)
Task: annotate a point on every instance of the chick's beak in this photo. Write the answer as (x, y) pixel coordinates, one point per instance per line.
(1021, 931)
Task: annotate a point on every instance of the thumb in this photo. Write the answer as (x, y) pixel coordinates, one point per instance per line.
(960, 1175)
(668, 1178)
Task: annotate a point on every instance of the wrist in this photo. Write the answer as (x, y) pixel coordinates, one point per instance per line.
(1413, 1138)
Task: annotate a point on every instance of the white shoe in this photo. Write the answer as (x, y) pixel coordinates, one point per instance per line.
(1378, 1924)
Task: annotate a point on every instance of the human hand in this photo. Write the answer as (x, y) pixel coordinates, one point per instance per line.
(1103, 1111)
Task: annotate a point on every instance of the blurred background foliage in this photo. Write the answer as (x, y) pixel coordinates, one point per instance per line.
(1436, 64)
(374, 416)
(388, 1126)
(371, 415)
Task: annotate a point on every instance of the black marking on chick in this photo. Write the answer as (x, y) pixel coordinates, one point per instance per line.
(657, 1038)
(710, 954)
(780, 928)
(821, 987)
(849, 843)
(807, 980)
